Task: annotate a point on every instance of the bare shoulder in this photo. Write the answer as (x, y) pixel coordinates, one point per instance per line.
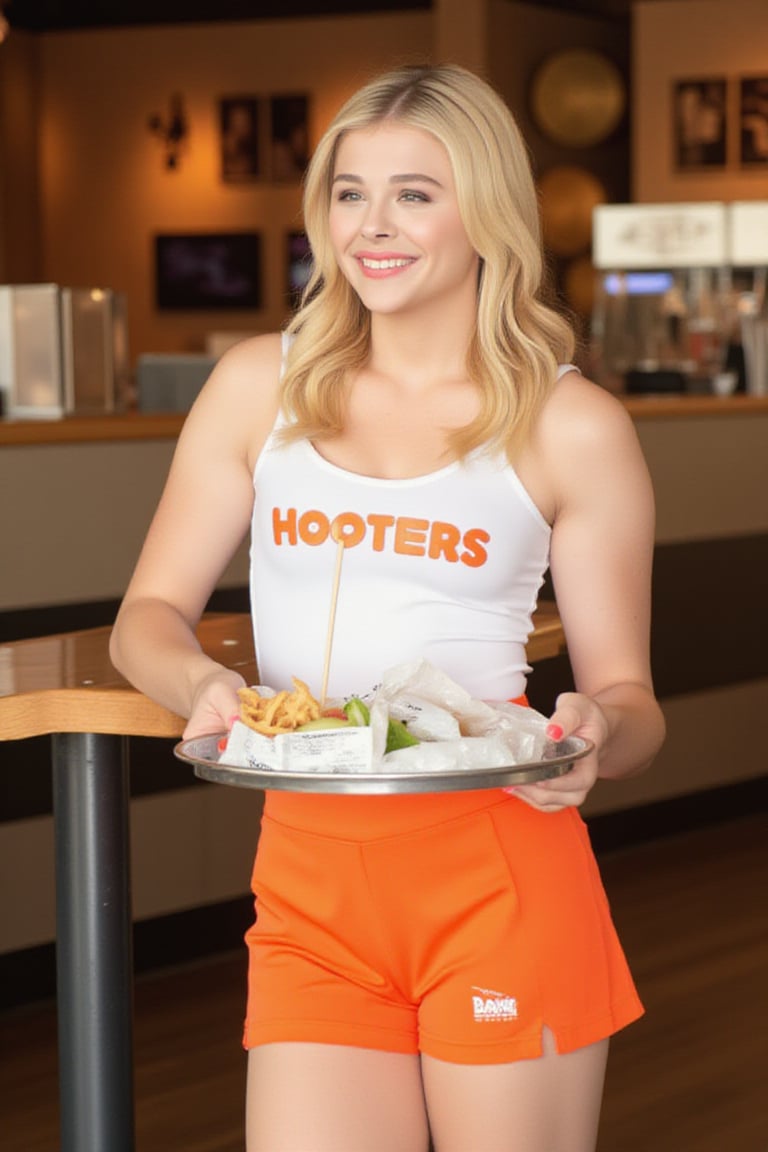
(250, 368)
(579, 412)
(585, 447)
(582, 426)
(238, 403)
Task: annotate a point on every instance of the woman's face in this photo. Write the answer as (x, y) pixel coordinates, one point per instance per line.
(394, 221)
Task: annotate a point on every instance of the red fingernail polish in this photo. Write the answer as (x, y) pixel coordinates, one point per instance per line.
(554, 731)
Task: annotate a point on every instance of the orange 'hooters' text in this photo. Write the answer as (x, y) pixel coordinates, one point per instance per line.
(405, 535)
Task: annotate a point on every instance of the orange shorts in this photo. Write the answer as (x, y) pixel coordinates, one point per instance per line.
(455, 924)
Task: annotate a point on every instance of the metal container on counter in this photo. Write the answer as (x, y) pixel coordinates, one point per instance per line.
(63, 351)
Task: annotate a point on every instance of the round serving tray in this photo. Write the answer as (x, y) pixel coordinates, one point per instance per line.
(202, 753)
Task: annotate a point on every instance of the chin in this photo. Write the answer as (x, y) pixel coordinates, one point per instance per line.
(377, 304)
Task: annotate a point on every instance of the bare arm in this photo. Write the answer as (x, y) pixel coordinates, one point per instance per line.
(200, 521)
(601, 556)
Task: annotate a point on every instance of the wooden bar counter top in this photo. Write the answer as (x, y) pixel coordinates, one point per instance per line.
(167, 425)
(66, 683)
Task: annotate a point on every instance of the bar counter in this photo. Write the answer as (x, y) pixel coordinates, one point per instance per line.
(92, 429)
(66, 683)
(167, 425)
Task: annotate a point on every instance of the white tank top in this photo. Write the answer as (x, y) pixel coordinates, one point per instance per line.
(445, 566)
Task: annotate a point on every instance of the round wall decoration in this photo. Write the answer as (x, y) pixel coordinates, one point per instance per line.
(578, 97)
(567, 197)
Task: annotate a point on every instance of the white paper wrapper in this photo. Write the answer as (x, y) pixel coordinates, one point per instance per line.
(331, 750)
(456, 731)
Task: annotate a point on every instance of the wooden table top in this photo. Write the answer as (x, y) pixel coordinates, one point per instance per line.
(66, 683)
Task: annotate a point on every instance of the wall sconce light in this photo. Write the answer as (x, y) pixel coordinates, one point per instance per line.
(171, 130)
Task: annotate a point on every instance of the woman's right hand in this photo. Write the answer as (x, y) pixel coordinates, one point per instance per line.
(215, 704)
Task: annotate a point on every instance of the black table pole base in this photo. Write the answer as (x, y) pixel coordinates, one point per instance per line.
(94, 955)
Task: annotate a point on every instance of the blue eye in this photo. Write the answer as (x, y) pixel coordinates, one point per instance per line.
(349, 194)
(411, 196)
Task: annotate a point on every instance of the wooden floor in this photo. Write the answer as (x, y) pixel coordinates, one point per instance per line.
(689, 1077)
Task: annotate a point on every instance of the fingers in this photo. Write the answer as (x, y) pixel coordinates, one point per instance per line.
(546, 799)
(569, 714)
(216, 705)
(569, 791)
(573, 713)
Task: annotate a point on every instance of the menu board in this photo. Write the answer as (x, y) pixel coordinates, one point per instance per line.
(659, 235)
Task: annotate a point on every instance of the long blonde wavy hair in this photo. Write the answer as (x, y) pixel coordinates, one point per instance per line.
(518, 339)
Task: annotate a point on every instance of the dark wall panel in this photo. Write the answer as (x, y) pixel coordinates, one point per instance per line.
(710, 620)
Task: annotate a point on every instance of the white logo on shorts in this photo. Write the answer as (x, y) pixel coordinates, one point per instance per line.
(489, 1005)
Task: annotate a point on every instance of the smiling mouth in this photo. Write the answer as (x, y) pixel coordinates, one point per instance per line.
(385, 265)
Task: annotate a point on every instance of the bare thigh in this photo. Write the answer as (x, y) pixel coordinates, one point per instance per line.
(330, 1098)
(550, 1104)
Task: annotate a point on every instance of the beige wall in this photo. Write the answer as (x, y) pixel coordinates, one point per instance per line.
(710, 475)
(74, 496)
(105, 189)
(461, 32)
(207, 860)
(692, 39)
(20, 252)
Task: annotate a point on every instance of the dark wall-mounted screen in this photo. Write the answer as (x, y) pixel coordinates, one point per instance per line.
(208, 271)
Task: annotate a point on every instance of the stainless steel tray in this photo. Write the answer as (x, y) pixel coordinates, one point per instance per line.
(202, 753)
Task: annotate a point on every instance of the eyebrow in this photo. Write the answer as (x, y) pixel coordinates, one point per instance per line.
(404, 178)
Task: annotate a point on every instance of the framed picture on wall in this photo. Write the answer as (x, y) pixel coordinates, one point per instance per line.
(208, 271)
(298, 266)
(288, 137)
(699, 123)
(753, 120)
(240, 137)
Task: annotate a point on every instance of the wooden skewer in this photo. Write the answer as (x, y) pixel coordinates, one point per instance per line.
(337, 536)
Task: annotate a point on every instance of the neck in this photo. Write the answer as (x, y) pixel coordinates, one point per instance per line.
(415, 346)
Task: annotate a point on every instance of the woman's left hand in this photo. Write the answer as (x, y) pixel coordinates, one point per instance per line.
(574, 715)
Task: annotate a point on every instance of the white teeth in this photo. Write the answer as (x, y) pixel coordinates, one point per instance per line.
(378, 265)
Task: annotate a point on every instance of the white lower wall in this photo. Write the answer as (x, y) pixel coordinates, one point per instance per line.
(189, 848)
(74, 517)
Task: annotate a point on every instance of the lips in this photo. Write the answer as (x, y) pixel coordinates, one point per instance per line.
(383, 263)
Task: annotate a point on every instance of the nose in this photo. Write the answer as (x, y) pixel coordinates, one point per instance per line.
(377, 225)
(377, 231)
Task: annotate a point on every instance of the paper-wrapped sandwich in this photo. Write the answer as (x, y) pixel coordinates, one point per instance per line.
(417, 719)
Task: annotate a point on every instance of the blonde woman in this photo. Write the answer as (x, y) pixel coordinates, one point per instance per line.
(443, 965)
